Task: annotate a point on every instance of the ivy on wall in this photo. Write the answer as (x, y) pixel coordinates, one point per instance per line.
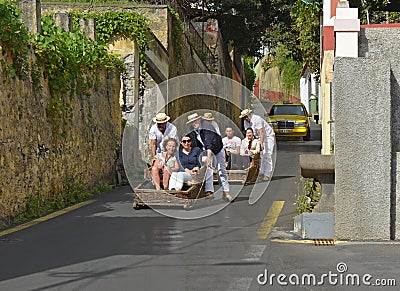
(289, 68)
(14, 40)
(69, 59)
(118, 23)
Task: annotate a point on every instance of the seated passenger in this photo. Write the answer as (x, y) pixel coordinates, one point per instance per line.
(164, 164)
(232, 148)
(189, 158)
(251, 147)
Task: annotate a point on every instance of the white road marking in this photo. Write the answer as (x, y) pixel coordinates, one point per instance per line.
(254, 253)
(240, 284)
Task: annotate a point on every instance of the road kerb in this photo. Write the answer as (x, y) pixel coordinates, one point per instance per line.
(44, 218)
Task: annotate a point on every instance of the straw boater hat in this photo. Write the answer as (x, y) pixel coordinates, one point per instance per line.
(245, 112)
(208, 116)
(161, 118)
(193, 117)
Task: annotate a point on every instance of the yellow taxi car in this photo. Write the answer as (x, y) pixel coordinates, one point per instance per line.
(290, 119)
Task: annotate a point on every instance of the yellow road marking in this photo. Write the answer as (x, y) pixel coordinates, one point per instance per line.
(44, 218)
(337, 242)
(270, 219)
(293, 241)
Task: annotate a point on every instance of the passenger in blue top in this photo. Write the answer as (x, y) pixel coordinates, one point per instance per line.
(189, 158)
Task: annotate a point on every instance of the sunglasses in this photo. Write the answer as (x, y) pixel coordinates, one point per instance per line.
(186, 140)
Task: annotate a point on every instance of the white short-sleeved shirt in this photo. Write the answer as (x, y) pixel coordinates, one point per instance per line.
(257, 122)
(231, 144)
(170, 132)
(170, 162)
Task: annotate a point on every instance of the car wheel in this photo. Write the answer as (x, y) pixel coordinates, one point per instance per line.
(307, 137)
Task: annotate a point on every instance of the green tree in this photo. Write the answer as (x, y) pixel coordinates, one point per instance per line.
(241, 21)
(249, 72)
(306, 26)
(370, 11)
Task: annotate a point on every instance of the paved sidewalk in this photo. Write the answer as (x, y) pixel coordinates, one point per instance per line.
(345, 265)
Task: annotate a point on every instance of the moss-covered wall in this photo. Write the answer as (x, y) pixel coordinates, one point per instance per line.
(35, 157)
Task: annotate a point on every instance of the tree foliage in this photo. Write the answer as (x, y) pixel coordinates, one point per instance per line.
(295, 24)
(370, 11)
(249, 72)
(241, 21)
(306, 24)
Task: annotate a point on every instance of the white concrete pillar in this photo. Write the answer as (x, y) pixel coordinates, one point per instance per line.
(304, 90)
(347, 28)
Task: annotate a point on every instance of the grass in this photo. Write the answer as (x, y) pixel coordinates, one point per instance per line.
(38, 205)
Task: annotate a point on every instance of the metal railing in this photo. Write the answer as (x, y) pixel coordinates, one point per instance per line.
(151, 2)
(194, 38)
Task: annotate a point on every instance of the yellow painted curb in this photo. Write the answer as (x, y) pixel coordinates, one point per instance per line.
(270, 219)
(337, 242)
(44, 218)
(293, 241)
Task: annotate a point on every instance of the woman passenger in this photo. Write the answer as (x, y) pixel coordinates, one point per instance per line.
(165, 164)
(189, 158)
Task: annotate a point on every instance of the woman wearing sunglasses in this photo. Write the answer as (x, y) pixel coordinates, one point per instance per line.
(189, 158)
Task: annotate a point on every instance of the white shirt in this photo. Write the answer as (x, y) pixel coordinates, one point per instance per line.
(231, 144)
(155, 133)
(256, 123)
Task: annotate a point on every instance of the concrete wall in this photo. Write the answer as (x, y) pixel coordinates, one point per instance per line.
(366, 96)
(271, 86)
(362, 148)
(34, 157)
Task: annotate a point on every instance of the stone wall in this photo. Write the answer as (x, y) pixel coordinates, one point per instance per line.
(140, 110)
(157, 14)
(35, 157)
(193, 64)
(366, 114)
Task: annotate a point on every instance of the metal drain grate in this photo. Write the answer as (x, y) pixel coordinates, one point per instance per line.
(324, 242)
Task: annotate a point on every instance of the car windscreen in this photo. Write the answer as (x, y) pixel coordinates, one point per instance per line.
(286, 110)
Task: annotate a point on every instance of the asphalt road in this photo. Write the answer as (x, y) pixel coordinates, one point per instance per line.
(106, 245)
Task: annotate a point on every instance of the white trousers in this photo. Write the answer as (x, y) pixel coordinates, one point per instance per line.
(221, 171)
(266, 157)
(179, 178)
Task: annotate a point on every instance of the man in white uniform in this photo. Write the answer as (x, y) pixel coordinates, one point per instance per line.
(264, 132)
(160, 131)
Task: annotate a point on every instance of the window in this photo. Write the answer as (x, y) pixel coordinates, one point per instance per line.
(287, 110)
